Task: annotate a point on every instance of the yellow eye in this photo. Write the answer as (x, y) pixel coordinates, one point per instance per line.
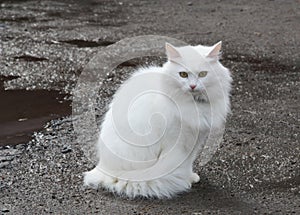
(183, 74)
(202, 74)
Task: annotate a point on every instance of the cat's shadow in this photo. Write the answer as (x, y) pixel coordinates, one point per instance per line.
(202, 196)
(206, 196)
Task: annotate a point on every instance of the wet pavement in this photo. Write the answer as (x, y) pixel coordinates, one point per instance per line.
(44, 47)
(24, 112)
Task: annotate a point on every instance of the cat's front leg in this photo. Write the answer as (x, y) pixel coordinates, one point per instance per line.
(193, 177)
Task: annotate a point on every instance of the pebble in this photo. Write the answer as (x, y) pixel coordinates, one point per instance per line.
(4, 164)
(5, 210)
(66, 149)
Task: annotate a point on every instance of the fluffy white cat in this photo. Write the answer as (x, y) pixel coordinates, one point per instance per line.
(159, 121)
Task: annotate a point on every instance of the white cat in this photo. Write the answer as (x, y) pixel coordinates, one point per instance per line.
(159, 121)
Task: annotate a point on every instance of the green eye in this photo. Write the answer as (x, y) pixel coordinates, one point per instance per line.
(202, 74)
(183, 74)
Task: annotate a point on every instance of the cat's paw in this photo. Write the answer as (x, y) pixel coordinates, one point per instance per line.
(195, 178)
(92, 178)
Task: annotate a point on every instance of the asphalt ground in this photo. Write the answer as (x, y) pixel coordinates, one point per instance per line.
(45, 46)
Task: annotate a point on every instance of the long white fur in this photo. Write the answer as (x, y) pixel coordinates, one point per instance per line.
(149, 171)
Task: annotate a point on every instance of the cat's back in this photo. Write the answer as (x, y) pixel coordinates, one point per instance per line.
(143, 86)
(141, 101)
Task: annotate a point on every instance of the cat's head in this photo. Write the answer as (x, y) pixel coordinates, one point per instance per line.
(197, 69)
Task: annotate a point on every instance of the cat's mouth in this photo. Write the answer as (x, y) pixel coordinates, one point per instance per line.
(197, 91)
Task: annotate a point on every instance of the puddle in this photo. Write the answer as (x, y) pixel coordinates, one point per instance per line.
(18, 19)
(24, 112)
(87, 43)
(27, 57)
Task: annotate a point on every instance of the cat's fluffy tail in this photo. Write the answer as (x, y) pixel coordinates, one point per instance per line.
(164, 187)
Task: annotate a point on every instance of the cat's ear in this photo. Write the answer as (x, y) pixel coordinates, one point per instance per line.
(215, 51)
(172, 52)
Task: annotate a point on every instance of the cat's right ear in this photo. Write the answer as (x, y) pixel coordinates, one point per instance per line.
(172, 52)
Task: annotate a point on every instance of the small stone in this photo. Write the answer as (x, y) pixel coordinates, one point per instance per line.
(190, 3)
(4, 164)
(66, 149)
(257, 34)
(22, 119)
(5, 210)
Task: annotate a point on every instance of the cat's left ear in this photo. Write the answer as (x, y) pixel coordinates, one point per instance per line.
(215, 51)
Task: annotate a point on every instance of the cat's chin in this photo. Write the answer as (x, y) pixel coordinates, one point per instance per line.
(199, 96)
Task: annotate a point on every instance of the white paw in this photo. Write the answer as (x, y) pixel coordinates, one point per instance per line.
(195, 178)
(93, 178)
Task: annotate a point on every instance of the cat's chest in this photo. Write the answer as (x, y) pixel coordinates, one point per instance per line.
(194, 116)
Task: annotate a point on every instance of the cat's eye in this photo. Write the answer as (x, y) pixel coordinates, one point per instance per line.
(202, 74)
(183, 74)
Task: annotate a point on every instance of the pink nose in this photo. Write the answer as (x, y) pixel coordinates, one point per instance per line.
(192, 86)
